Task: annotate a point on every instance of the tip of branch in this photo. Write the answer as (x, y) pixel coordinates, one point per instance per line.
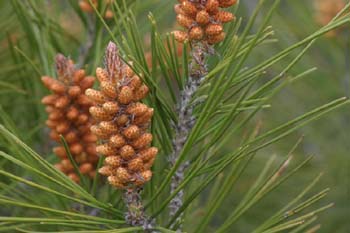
(112, 47)
(112, 61)
(64, 66)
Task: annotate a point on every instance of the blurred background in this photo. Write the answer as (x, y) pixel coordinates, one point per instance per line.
(328, 139)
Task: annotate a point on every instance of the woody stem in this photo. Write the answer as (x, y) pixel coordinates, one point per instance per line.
(136, 214)
(197, 71)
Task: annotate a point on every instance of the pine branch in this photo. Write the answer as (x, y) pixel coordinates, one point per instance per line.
(197, 71)
(136, 214)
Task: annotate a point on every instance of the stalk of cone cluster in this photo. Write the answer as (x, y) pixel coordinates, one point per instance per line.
(202, 20)
(198, 71)
(122, 122)
(68, 109)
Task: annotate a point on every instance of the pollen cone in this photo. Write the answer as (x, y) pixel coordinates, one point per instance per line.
(122, 122)
(202, 20)
(68, 115)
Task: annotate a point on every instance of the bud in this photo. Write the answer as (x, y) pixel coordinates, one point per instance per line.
(145, 118)
(148, 154)
(127, 152)
(108, 14)
(72, 113)
(47, 81)
(213, 29)
(122, 120)
(216, 38)
(184, 21)
(51, 124)
(106, 171)
(87, 82)
(96, 130)
(76, 148)
(227, 3)
(70, 137)
(54, 136)
(143, 141)
(60, 152)
(67, 165)
(114, 161)
(74, 177)
(100, 114)
(114, 181)
(62, 127)
(109, 127)
(91, 151)
(111, 107)
(117, 141)
(55, 115)
(148, 164)
(135, 165)
(108, 89)
(85, 6)
(105, 149)
(78, 76)
(89, 138)
(178, 9)
(49, 109)
(82, 119)
(135, 82)
(49, 100)
(141, 93)
(74, 91)
(137, 109)
(224, 16)
(62, 102)
(125, 95)
(180, 36)
(212, 6)
(123, 174)
(95, 96)
(83, 100)
(132, 132)
(189, 8)
(58, 87)
(202, 17)
(196, 33)
(102, 75)
(143, 178)
(85, 168)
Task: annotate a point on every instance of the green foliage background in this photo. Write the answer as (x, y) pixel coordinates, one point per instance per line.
(32, 32)
(327, 138)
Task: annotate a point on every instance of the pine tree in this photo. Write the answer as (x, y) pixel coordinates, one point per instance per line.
(175, 112)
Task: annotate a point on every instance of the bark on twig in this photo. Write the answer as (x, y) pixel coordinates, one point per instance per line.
(136, 214)
(197, 71)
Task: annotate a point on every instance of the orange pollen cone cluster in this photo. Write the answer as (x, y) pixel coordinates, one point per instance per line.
(326, 10)
(122, 122)
(86, 7)
(203, 20)
(68, 115)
